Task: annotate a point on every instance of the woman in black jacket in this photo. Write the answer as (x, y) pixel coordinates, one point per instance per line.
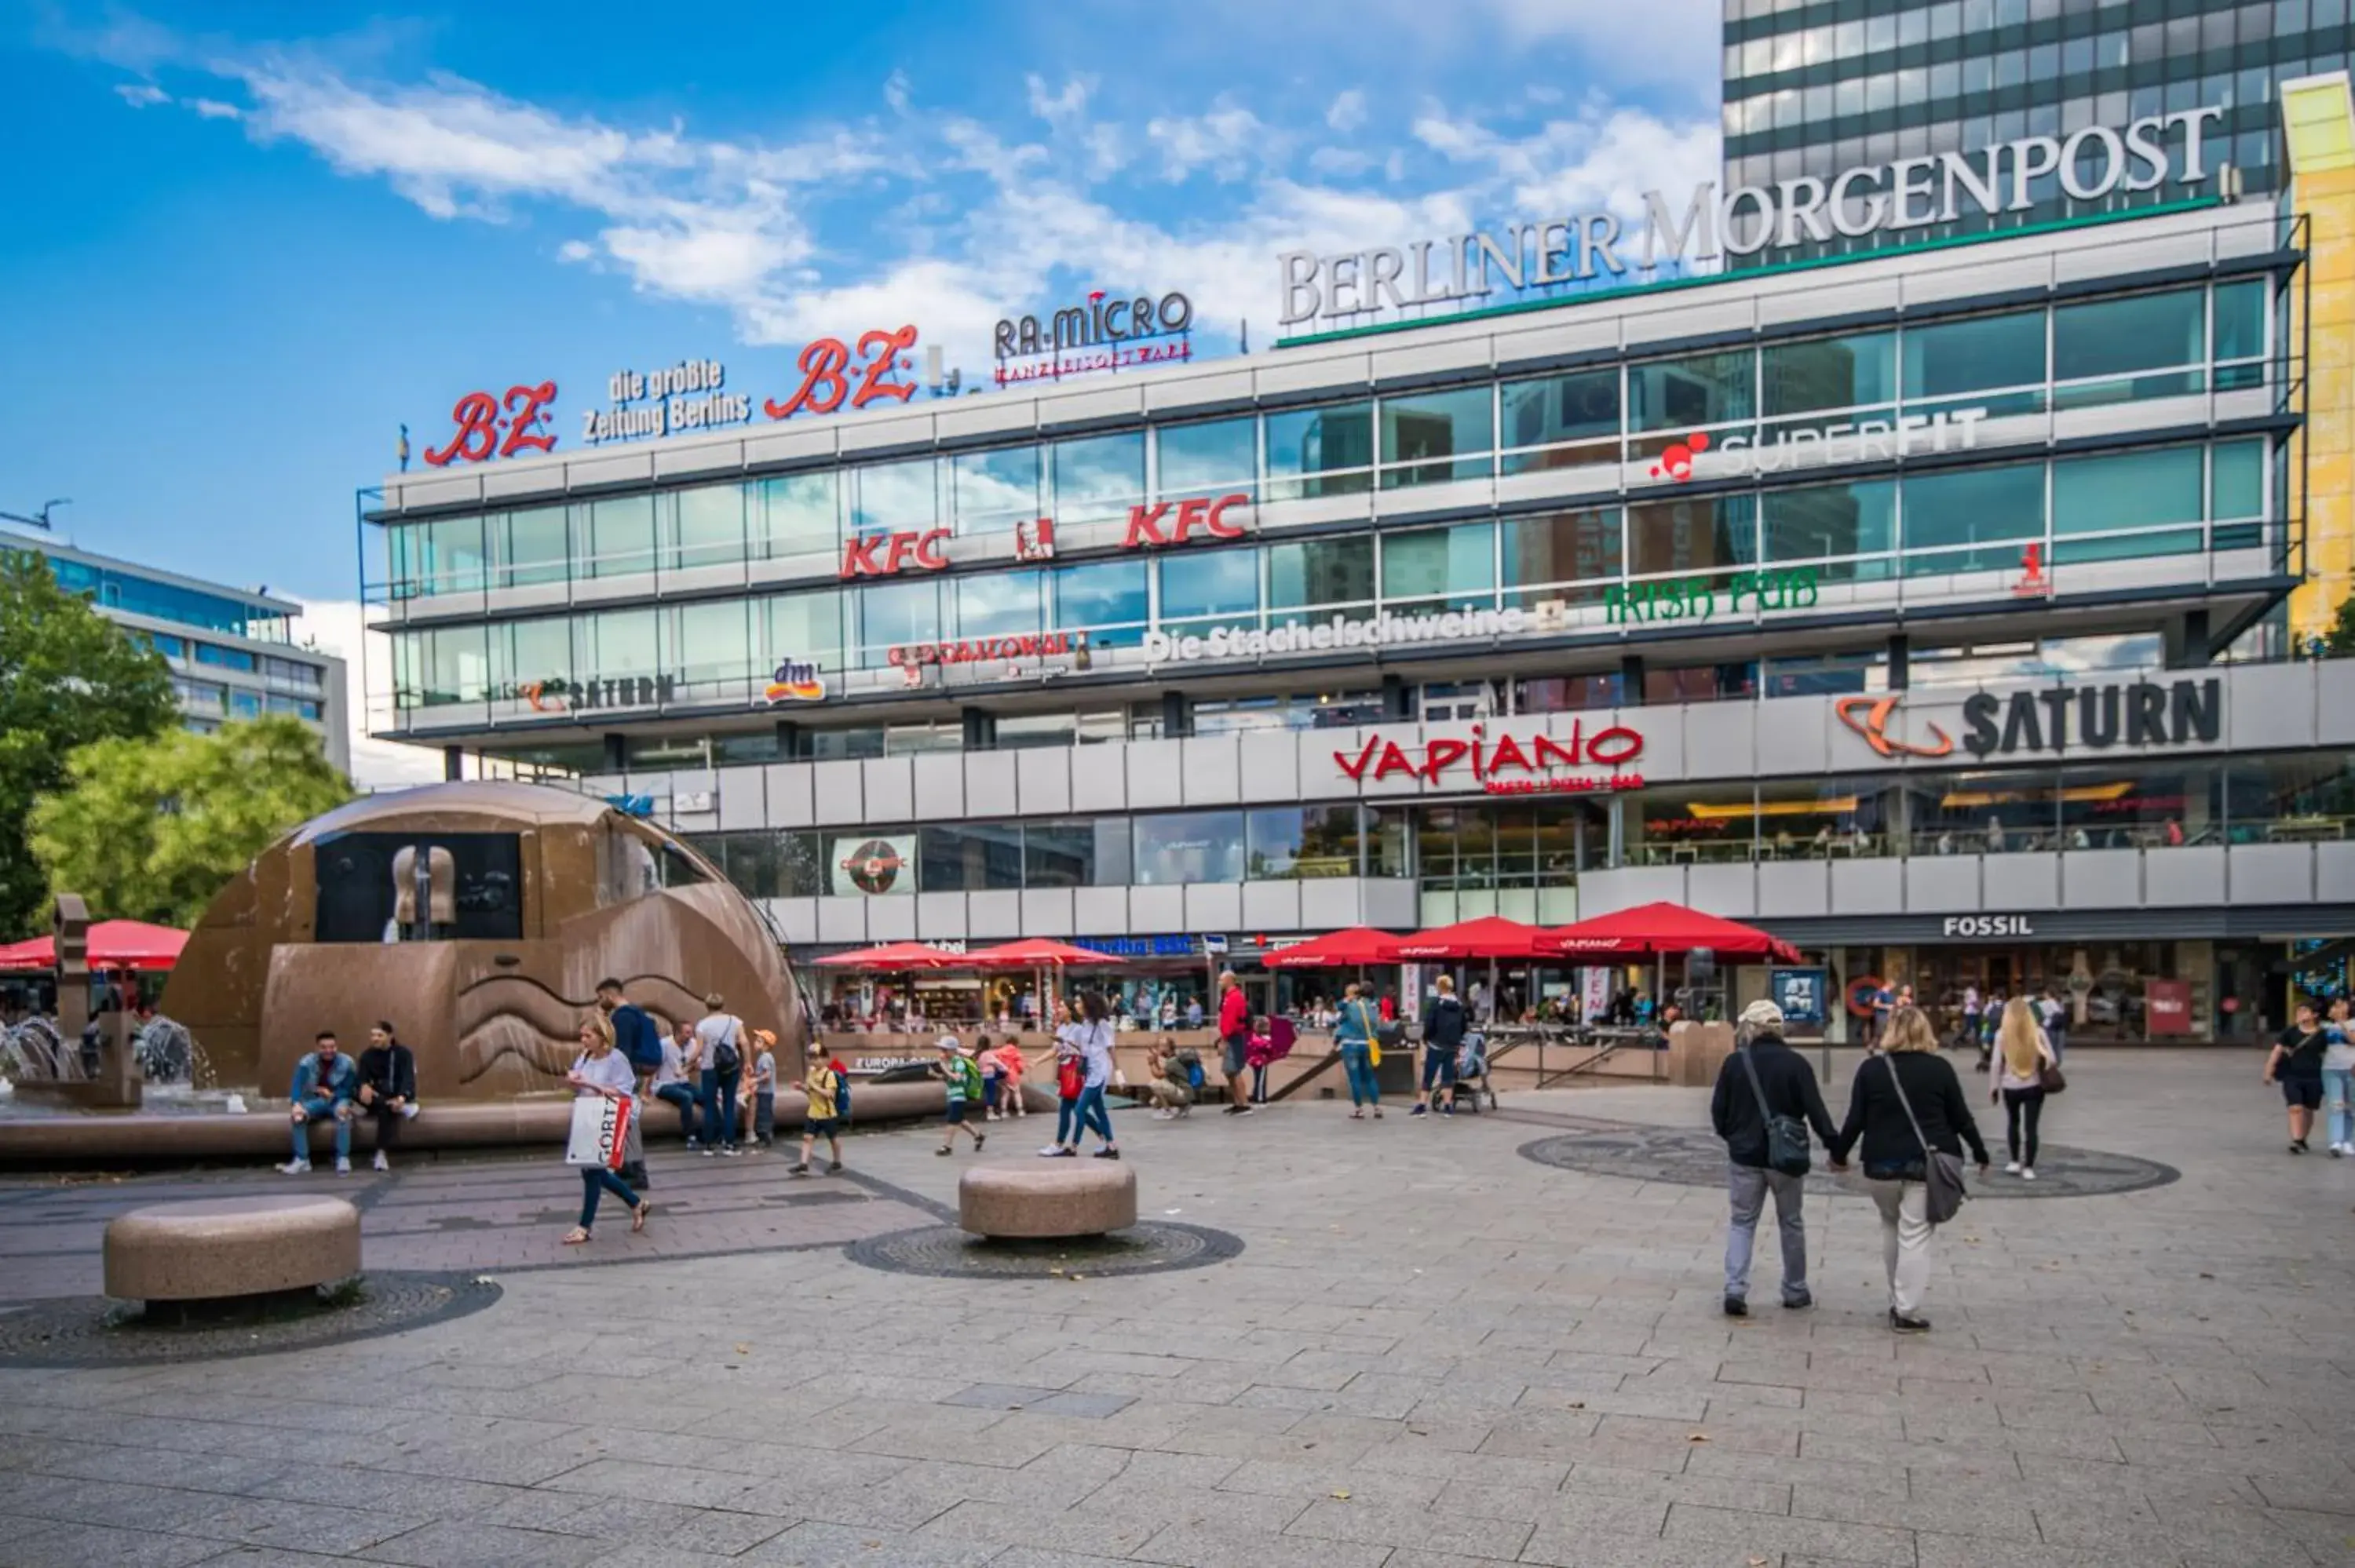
(1895, 1164)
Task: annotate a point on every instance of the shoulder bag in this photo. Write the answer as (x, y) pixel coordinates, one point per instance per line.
(1786, 1135)
(1941, 1173)
(2048, 1076)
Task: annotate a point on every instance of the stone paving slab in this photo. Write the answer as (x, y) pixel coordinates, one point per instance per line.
(1432, 1353)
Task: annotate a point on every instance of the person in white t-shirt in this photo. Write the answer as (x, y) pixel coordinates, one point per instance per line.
(717, 1054)
(670, 1085)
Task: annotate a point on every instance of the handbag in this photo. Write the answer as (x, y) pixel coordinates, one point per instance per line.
(1941, 1173)
(1786, 1135)
(1070, 1078)
(1373, 1029)
(2048, 1076)
(602, 1129)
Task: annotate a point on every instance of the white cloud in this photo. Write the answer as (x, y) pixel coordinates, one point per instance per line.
(1222, 140)
(141, 94)
(213, 108)
(925, 217)
(339, 627)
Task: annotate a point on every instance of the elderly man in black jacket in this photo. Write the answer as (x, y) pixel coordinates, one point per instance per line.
(1763, 1079)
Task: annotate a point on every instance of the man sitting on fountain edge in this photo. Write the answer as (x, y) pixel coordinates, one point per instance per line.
(324, 1082)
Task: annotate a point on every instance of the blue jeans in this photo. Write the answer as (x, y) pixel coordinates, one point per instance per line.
(1091, 1112)
(1748, 1186)
(596, 1179)
(764, 1118)
(719, 1107)
(1067, 1122)
(319, 1107)
(1356, 1062)
(680, 1096)
(2338, 1103)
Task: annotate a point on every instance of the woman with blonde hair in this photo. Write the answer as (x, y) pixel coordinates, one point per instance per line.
(603, 1071)
(1904, 1103)
(2022, 1055)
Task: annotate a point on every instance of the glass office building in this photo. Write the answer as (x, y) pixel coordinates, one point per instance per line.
(1865, 596)
(1811, 88)
(231, 651)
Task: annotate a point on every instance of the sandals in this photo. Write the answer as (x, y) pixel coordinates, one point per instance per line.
(638, 1215)
(577, 1238)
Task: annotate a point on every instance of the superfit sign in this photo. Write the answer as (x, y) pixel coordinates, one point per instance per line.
(1509, 764)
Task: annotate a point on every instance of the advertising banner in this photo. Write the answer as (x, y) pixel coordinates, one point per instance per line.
(1594, 987)
(1799, 993)
(2166, 1007)
(872, 863)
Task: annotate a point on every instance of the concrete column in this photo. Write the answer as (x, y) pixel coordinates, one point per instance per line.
(1901, 662)
(789, 740)
(1397, 705)
(453, 762)
(615, 754)
(980, 729)
(1631, 679)
(1177, 715)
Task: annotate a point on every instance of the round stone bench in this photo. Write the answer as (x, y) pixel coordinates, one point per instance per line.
(221, 1248)
(1049, 1201)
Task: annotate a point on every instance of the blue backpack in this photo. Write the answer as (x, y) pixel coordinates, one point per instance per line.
(842, 1097)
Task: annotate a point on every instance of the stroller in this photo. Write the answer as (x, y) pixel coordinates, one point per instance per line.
(1472, 1073)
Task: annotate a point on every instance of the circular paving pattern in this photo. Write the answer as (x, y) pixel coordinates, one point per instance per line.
(92, 1330)
(1691, 1157)
(1153, 1246)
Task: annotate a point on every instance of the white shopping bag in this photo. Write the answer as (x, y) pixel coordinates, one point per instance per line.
(601, 1131)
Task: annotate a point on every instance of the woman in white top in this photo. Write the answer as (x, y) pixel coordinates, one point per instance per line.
(2021, 1054)
(1094, 1035)
(1067, 1105)
(600, 1070)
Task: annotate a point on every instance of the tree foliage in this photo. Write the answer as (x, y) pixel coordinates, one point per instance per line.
(2338, 641)
(69, 677)
(151, 829)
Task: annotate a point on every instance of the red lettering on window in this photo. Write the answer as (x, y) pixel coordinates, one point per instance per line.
(1216, 522)
(1625, 744)
(1393, 761)
(1441, 755)
(1551, 752)
(1508, 752)
(1144, 526)
(1190, 515)
(1355, 769)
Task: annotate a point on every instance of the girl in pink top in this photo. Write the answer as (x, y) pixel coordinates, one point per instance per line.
(1010, 1069)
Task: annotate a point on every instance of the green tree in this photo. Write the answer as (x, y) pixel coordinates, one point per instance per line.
(150, 829)
(2339, 643)
(68, 676)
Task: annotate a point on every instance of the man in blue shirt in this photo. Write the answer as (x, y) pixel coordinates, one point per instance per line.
(324, 1082)
(637, 1037)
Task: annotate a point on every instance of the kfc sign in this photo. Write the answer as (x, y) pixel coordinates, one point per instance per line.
(888, 555)
(1508, 765)
(1175, 522)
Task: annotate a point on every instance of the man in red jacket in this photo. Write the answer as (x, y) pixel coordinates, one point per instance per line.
(1234, 1040)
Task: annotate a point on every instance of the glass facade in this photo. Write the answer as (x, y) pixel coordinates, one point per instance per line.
(2156, 501)
(1814, 87)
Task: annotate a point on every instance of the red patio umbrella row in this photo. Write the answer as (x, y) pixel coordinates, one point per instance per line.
(1646, 931)
(110, 944)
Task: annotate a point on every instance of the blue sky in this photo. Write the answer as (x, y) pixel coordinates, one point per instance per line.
(258, 238)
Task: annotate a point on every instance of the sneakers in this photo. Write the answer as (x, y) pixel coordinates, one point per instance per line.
(381, 1163)
(1798, 1303)
(2297, 1146)
(708, 1151)
(2012, 1169)
(409, 1111)
(693, 1144)
(797, 1171)
(296, 1168)
(2027, 1173)
(1420, 1110)
(978, 1139)
(1245, 1110)
(1735, 1306)
(2337, 1149)
(731, 1150)
(1051, 1151)
(1063, 1154)
(342, 1165)
(1107, 1152)
(835, 1169)
(1901, 1324)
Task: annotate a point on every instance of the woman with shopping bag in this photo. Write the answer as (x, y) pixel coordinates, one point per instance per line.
(604, 1125)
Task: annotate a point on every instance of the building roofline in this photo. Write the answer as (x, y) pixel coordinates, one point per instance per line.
(16, 539)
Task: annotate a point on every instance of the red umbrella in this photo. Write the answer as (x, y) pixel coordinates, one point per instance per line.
(1650, 929)
(1489, 937)
(1032, 951)
(1358, 945)
(111, 945)
(896, 955)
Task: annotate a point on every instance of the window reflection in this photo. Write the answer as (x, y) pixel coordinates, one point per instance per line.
(1320, 452)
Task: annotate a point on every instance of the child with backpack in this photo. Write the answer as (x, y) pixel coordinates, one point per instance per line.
(829, 1104)
(962, 1074)
(1013, 1067)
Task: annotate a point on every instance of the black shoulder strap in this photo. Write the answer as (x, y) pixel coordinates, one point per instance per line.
(1765, 1112)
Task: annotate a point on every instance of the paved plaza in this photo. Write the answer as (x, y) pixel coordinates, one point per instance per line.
(1436, 1349)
